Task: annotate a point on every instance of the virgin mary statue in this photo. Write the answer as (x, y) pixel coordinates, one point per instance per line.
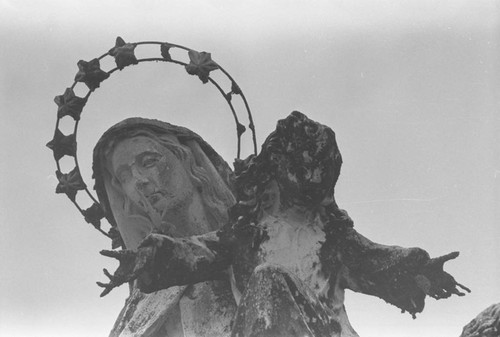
(265, 252)
(154, 177)
(280, 264)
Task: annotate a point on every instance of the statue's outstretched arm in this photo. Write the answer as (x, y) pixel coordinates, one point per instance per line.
(400, 276)
(162, 261)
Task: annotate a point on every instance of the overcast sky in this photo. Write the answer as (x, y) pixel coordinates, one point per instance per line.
(411, 89)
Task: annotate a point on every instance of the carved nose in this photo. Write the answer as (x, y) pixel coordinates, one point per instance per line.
(140, 180)
(141, 183)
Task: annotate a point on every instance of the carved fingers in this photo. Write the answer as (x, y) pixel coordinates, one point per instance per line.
(132, 264)
(438, 262)
(437, 283)
(122, 274)
(120, 255)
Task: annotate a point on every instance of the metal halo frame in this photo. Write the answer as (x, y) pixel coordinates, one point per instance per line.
(90, 73)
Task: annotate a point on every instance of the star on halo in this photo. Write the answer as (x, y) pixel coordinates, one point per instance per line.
(90, 73)
(70, 183)
(62, 145)
(69, 104)
(201, 64)
(123, 53)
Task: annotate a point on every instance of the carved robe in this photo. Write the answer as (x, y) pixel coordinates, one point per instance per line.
(290, 251)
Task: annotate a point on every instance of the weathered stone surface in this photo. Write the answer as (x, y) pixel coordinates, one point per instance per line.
(144, 314)
(160, 155)
(287, 251)
(486, 324)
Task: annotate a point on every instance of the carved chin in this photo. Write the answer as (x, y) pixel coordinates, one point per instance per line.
(174, 204)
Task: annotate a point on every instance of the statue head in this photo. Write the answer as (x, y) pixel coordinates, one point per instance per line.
(300, 160)
(152, 175)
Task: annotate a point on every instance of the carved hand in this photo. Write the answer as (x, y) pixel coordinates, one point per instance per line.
(162, 261)
(400, 276)
(437, 283)
(132, 264)
(180, 261)
(154, 264)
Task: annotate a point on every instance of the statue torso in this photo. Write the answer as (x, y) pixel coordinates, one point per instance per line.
(294, 244)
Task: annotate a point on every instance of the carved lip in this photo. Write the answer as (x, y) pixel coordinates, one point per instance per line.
(153, 198)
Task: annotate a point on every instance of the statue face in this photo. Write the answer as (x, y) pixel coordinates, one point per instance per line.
(150, 174)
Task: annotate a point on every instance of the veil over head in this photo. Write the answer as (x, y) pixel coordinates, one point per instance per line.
(204, 155)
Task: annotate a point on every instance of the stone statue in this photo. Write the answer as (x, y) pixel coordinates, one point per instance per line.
(485, 324)
(263, 252)
(153, 177)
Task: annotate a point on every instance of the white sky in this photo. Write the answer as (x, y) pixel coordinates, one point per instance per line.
(411, 89)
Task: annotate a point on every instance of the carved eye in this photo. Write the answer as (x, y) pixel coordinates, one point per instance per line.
(149, 161)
